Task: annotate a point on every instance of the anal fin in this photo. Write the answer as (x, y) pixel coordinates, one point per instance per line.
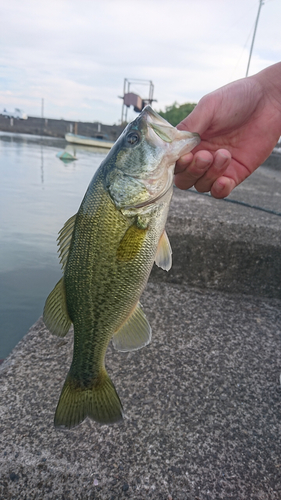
(134, 334)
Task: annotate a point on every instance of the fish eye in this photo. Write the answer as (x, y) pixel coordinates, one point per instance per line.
(132, 139)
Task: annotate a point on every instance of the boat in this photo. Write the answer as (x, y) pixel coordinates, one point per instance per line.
(65, 156)
(88, 141)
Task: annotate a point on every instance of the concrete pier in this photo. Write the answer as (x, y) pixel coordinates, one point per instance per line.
(202, 401)
(58, 128)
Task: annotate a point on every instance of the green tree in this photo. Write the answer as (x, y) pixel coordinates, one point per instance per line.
(177, 112)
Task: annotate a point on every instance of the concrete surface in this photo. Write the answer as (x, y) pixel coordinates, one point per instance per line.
(226, 246)
(202, 401)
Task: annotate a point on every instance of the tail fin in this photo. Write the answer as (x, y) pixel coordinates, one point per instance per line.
(100, 402)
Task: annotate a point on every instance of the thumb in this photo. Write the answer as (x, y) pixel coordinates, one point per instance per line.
(200, 119)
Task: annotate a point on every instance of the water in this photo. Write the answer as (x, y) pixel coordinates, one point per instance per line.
(38, 193)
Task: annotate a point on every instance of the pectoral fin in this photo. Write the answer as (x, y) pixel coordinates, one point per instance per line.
(134, 334)
(163, 257)
(131, 243)
(55, 313)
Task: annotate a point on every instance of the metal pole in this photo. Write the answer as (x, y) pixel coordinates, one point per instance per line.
(124, 91)
(126, 112)
(254, 35)
(42, 114)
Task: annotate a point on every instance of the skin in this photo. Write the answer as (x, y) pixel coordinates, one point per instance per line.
(239, 125)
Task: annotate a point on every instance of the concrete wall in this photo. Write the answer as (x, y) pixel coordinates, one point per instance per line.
(58, 128)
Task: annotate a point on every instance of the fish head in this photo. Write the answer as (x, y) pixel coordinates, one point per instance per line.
(144, 159)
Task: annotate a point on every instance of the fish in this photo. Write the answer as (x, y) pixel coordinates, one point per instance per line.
(107, 251)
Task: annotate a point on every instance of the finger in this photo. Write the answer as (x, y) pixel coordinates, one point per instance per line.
(222, 187)
(189, 174)
(221, 161)
(202, 116)
(183, 162)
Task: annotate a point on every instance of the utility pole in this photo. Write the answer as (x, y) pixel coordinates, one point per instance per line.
(42, 115)
(254, 35)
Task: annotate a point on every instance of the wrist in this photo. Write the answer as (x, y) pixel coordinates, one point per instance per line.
(270, 81)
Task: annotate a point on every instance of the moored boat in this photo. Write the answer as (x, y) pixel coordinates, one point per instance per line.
(88, 141)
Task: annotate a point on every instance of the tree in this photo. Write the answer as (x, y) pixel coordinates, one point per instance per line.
(177, 112)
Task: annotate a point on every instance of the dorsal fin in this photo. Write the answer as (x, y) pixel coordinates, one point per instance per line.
(163, 257)
(64, 239)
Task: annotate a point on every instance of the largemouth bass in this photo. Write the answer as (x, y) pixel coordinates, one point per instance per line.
(107, 251)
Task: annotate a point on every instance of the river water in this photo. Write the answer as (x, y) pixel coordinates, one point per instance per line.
(38, 193)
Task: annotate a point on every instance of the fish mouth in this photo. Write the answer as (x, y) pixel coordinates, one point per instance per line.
(165, 131)
(160, 126)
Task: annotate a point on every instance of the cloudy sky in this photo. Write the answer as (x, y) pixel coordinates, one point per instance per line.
(76, 53)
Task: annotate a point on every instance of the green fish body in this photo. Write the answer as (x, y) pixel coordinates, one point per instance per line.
(107, 251)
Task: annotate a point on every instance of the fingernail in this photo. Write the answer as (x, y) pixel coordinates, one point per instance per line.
(219, 186)
(203, 159)
(201, 163)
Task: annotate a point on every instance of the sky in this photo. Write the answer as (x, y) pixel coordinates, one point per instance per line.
(75, 54)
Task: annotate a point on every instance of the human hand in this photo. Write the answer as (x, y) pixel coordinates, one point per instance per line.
(239, 125)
